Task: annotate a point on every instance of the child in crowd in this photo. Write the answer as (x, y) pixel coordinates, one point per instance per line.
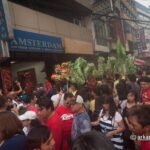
(131, 101)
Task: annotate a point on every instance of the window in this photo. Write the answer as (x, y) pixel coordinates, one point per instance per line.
(100, 32)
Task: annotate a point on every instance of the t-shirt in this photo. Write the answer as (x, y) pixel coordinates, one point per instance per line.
(123, 104)
(92, 105)
(26, 130)
(115, 120)
(54, 123)
(145, 145)
(55, 98)
(146, 95)
(81, 124)
(66, 115)
(17, 142)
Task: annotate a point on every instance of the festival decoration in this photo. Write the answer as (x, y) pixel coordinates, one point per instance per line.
(79, 71)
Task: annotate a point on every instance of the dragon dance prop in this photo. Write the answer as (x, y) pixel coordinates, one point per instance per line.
(79, 71)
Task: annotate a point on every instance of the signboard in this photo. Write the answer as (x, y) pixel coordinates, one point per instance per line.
(5, 21)
(33, 42)
(140, 39)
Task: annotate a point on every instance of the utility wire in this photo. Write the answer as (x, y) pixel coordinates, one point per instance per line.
(138, 22)
(133, 20)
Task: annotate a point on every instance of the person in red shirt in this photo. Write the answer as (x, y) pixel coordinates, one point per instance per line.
(145, 89)
(47, 86)
(66, 115)
(139, 118)
(52, 120)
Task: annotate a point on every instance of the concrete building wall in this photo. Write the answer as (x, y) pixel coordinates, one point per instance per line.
(90, 25)
(29, 20)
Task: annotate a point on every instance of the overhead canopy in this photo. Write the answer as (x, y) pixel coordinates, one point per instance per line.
(65, 9)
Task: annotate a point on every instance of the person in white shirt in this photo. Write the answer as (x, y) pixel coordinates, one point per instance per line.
(111, 122)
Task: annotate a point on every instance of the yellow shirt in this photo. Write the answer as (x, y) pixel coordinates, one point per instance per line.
(92, 105)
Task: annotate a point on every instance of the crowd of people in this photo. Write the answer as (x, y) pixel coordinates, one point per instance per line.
(109, 114)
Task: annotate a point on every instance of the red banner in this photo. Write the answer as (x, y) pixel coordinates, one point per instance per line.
(6, 77)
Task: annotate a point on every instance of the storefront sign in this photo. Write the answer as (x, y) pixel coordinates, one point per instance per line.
(5, 21)
(34, 42)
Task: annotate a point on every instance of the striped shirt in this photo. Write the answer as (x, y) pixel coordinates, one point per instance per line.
(109, 124)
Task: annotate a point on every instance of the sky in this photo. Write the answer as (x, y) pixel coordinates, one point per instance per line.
(144, 2)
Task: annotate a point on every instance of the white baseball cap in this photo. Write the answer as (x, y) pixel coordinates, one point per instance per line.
(78, 99)
(28, 115)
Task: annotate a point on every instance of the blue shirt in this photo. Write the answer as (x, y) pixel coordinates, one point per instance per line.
(17, 142)
(81, 124)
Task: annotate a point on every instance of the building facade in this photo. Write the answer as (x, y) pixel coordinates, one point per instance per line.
(43, 34)
(113, 20)
(129, 16)
(144, 15)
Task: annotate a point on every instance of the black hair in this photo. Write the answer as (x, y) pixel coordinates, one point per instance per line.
(104, 90)
(74, 85)
(30, 97)
(134, 93)
(22, 110)
(84, 92)
(132, 77)
(117, 76)
(68, 95)
(3, 101)
(145, 79)
(122, 89)
(142, 112)
(58, 87)
(37, 136)
(46, 103)
(35, 123)
(92, 141)
(109, 100)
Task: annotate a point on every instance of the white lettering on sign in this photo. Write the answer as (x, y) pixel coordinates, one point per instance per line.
(34, 43)
(67, 117)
